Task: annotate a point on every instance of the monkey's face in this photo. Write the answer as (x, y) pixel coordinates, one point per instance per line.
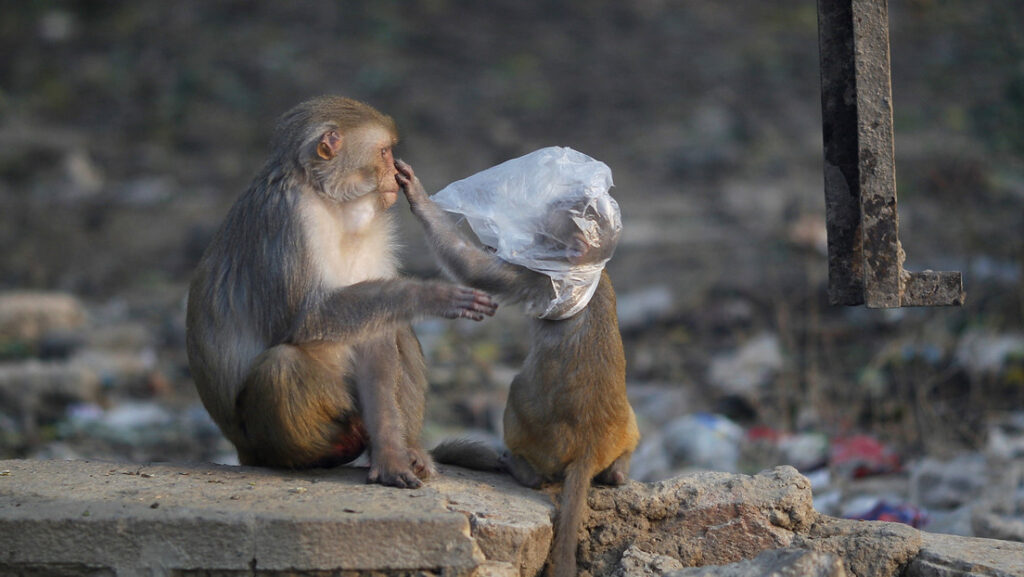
(575, 231)
(351, 165)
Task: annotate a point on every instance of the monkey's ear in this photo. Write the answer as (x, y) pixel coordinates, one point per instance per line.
(329, 145)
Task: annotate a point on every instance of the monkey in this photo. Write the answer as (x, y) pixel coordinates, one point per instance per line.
(298, 328)
(567, 417)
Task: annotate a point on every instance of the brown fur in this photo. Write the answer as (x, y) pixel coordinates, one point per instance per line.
(298, 331)
(567, 416)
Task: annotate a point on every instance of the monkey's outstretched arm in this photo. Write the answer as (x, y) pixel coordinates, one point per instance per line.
(364, 309)
(463, 260)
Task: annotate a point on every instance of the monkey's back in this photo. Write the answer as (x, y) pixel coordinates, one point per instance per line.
(569, 401)
(239, 272)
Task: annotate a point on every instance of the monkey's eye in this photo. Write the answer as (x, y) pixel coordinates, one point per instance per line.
(384, 152)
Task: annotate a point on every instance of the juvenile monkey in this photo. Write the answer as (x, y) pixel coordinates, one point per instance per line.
(298, 331)
(567, 416)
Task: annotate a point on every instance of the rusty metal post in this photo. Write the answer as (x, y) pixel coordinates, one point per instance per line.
(839, 132)
(864, 252)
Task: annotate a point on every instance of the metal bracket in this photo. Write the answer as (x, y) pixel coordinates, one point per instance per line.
(865, 259)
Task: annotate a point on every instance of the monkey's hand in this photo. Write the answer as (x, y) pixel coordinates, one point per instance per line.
(453, 302)
(410, 183)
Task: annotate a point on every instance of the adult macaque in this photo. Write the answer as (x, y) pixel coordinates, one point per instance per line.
(567, 416)
(298, 329)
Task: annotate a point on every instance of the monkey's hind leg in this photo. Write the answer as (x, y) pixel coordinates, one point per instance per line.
(617, 473)
(380, 377)
(296, 410)
(412, 390)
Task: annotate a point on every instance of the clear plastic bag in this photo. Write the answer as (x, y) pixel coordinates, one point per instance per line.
(548, 211)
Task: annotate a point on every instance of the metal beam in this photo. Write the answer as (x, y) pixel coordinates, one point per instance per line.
(864, 252)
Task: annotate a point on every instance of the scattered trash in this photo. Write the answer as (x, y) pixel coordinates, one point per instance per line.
(828, 502)
(948, 484)
(1006, 437)
(894, 513)
(27, 315)
(749, 368)
(638, 309)
(137, 415)
(810, 233)
(952, 522)
(704, 441)
(991, 525)
(820, 479)
(805, 451)
(131, 423)
(862, 456)
(761, 433)
(650, 460)
(982, 353)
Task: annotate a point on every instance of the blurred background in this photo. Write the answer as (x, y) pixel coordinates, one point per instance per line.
(128, 129)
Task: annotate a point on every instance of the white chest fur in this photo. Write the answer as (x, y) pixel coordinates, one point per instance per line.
(351, 242)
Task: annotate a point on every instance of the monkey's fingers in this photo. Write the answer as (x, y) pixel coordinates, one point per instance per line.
(405, 172)
(404, 168)
(451, 301)
(403, 182)
(476, 304)
(407, 180)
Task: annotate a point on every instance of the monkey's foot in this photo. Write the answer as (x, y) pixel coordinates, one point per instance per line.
(612, 478)
(401, 479)
(422, 463)
(617, 473)
(393, 472)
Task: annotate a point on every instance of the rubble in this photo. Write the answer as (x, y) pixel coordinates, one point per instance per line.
(774, 563)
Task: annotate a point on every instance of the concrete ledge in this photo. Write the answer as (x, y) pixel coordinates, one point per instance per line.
(88, 518)
(155, 520)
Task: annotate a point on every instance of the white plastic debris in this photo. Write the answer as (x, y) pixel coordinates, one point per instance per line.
(548, 211)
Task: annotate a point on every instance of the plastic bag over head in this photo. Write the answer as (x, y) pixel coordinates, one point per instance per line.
(548, 211)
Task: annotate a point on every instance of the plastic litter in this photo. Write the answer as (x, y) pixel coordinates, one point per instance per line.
(705, 441)
(862, 456)
(548, 211)
(895, 513)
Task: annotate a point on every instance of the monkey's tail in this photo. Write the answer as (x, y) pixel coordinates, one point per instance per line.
(468, 453)
(575, 489)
